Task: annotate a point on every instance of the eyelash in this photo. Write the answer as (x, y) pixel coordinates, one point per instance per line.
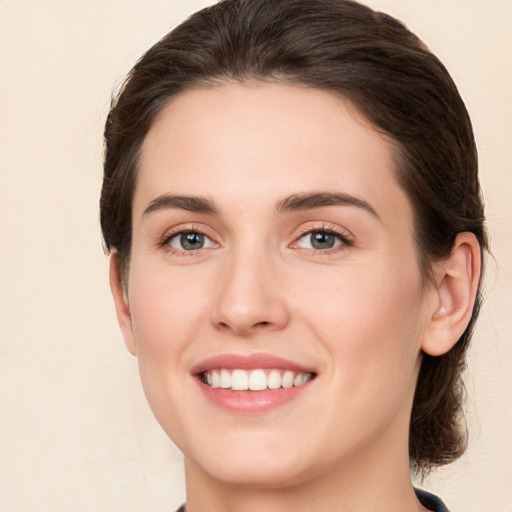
(345, 241)
(165, 242)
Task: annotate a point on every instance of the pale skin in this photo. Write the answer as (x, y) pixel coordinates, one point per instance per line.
(357, 313)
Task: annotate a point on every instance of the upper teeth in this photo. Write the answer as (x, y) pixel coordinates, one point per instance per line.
(255, 380)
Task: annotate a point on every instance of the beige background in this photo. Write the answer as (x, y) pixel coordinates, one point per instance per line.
(75, 431)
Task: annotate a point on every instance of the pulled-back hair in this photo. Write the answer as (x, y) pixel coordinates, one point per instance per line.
(390, 76)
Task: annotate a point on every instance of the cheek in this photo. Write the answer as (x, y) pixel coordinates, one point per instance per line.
(370, 321)
(166, 310)
(166, 307)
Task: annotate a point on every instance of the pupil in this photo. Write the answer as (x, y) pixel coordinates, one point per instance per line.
(321, 240)
(190, 241)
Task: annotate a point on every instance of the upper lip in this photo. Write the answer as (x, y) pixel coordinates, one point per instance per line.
(249, 362)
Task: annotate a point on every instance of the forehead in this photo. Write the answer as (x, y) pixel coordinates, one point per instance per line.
(259, 142)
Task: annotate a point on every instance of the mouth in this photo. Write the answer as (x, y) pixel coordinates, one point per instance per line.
(252, 383)
(259, 379)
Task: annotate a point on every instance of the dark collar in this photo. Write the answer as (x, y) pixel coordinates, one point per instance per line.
(427, 499)
(430, 501)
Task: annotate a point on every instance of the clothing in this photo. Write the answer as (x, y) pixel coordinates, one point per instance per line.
(428, 500)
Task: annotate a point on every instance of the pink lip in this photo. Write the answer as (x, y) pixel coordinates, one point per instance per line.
(248, 362)
(249, 401)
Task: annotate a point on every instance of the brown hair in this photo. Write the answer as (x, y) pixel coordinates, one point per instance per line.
(390, 76)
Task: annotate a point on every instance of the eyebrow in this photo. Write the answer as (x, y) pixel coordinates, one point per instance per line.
(189, 203)
(294, 202)
(309, 201)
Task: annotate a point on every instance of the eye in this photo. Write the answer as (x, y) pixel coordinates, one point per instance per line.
(321, 240)
(190, 241)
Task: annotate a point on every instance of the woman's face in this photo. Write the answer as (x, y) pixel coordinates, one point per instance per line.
(272, 244)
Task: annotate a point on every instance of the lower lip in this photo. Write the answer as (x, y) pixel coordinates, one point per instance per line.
(251, 401)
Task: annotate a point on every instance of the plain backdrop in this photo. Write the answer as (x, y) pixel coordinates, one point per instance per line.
(75, 430)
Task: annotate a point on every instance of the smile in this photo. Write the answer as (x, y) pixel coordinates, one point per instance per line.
(255, 380)
(252, 383)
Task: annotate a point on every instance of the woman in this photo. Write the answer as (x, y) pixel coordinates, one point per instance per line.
(292, 206)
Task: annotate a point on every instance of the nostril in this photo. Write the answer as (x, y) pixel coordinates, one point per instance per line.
(258, 325)
(263, 326)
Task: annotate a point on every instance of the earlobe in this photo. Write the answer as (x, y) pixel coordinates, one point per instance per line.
(456, 286)
(121, 303)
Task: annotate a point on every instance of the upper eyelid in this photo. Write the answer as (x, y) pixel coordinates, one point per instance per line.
(188, 228)
(323, 226)
(344, 239)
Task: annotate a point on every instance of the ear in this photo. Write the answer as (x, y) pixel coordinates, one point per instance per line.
(456, 285)
(124, 316)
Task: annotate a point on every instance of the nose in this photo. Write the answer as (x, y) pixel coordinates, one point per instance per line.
(250, 298)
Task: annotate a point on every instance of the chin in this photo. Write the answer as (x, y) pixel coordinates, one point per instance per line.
(256, 474)
(255, 462)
